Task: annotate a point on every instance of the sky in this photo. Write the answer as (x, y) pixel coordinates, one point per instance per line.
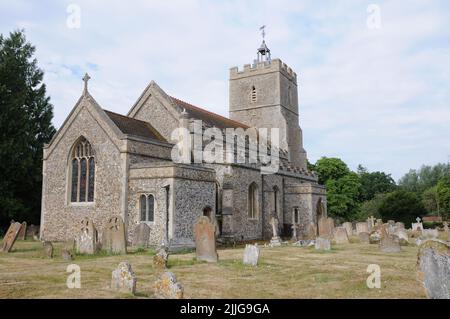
(373, 76)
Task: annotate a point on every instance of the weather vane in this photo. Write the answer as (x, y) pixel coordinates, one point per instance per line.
(263, 31)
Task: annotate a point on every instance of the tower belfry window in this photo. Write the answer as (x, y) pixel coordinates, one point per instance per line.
(253, 95)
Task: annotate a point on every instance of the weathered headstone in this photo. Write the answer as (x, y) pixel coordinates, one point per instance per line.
(113, 237)
(323, 243)
(362, 228)
(276, 240)
(417, 226)
(86, 242)
(375, 237)
(141, 235)
(23, 232)
(402, 236)
(391, 222)
(10, 237)
(48, 249)
(430, 233)
(167, 287)
(371, 223)
(251, 255)
(349, 228)
(399, 225)
(205, 240)
(123, 278)
(389, 243)
(161, 258)
(434, 269)
(364, 238)
(340, 235)
(326, 227)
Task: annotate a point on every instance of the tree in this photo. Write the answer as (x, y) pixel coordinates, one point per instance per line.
(342, 196)
(374, 183)
(423, 178)
(402, 206)
(443, 191)
(25, 125)
(330, 168)
(371, 207)
(430, 200)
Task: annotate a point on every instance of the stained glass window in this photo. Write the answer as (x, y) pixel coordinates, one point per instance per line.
(74, 195)
(83, 172)
(91, 179)
(151, 208)
(143, 204)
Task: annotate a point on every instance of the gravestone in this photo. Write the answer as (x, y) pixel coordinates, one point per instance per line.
(167, 287)
(276, 240)
(434, 269)
(375, 237)
(141, 235)
(205, 240)
(402, 236)
(362, 228)
(323, 244)
(123, 278)
(371, 223)
(378, 224)
(364, 238)
(349, 228)
(251, 255)
(311, 232)
(417, 226)
(389, 243)
(340, 235)
(294, 232)
(430, 233)
(446, 230)
(391, 222)
(11, 237)
(86, 242)
(161, 258)
(32, 232)
(23, 232)
(326, 227)
(113, 237)
(399, 225)
(48, 249)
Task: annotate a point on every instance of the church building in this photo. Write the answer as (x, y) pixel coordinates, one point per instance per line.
(102, 164)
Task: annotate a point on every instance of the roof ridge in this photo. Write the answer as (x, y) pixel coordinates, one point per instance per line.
(211, 113)
(127, 117)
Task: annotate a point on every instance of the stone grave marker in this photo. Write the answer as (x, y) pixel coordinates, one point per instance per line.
(323, 243)
(113, 237)
(326, 227)
(276, 240)
(389, 243)
(48, 249)
(349, 228)
(205, 240)
(430, 233)
(86, 242)
(23, 232)
(362, 228)
(340, 235)
(167, 287)
(251, 255)
(161, 258)
(433, 264)
(123, 278)
(11, 237)
(141, 235)
(364, 238)
(375, 237)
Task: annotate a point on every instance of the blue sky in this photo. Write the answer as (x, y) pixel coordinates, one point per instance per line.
(379, 97)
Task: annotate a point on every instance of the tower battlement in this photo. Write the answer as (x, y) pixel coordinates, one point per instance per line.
(276, 65)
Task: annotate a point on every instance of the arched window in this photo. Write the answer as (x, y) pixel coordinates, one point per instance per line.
(253, 95)
(296, 215)
(253, 201)
(83, 172)
(275, 199)
(147, 208)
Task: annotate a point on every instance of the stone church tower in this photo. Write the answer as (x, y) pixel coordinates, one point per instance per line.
(265, 94)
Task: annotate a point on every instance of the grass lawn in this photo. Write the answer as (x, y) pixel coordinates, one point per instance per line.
(284, 272)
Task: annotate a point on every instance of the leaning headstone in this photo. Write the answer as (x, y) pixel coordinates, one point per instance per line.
(362, 228)
(205, 240)
(113, 237)
(251, 255)
(123, 278)
(389, 243)
(349, 228)
(276, 240)
(23, 232)
(167, 287)
(161, 258)
(48, 249)
(364, 238)
(86, 242)
(340, 235)
(326, 227)
(10, 237)
(430, 233)
(141, 235)
(323, 243)
(434, 269)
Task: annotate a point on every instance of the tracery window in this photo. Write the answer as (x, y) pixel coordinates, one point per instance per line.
(83, 172)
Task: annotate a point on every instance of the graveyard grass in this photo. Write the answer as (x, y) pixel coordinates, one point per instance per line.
(283, 272)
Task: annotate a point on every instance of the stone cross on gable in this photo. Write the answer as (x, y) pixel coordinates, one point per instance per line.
(86, 79)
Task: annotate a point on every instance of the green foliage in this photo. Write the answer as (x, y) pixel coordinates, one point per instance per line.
(25, 125)
(374, 183)
(443, 192)
(371, 207)
(402, 206)
(430, 200)
(432, 225)
(423, 178)
(330, 168)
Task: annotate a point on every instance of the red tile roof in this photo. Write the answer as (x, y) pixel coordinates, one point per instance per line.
(210, 118)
